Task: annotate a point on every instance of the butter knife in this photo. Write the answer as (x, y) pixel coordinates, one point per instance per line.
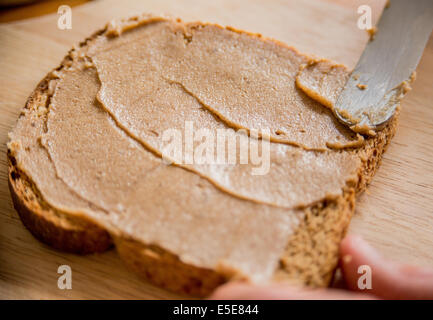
(386, 67)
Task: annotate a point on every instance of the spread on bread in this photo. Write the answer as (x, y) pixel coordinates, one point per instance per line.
(94, 147)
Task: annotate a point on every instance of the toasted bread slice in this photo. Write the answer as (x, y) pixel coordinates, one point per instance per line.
(310, 257)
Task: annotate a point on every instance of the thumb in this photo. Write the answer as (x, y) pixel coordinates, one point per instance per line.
(389, 280)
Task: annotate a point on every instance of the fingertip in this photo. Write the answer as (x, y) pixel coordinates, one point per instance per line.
(248, 291)
(351, 242)
(230, 290)
(355, 252)
(388, 279)
(355, 248)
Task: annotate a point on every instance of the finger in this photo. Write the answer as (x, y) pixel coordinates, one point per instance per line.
(245, 291)
(389, 280)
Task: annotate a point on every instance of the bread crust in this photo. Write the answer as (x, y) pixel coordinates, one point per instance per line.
(311, 254)
(55, 228)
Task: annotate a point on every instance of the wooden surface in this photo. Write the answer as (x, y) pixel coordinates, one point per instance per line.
(34, 9)
(396, 216)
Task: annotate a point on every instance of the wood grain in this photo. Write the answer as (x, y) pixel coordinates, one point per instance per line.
(33, 9)
(396, 216)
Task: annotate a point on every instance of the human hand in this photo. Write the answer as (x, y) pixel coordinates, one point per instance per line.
(390, 280)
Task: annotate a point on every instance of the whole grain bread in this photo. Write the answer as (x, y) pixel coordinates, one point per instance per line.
(310, 257)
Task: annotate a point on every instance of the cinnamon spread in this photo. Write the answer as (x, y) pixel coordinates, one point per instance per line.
(94, 146)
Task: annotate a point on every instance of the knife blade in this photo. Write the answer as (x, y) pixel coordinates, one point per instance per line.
(381, 77)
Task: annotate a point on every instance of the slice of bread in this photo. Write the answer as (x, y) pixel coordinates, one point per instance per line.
(311, 253)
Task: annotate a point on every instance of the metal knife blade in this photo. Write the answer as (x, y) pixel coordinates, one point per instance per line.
(376, 85)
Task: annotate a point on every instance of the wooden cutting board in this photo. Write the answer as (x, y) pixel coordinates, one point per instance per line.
(395, 216)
